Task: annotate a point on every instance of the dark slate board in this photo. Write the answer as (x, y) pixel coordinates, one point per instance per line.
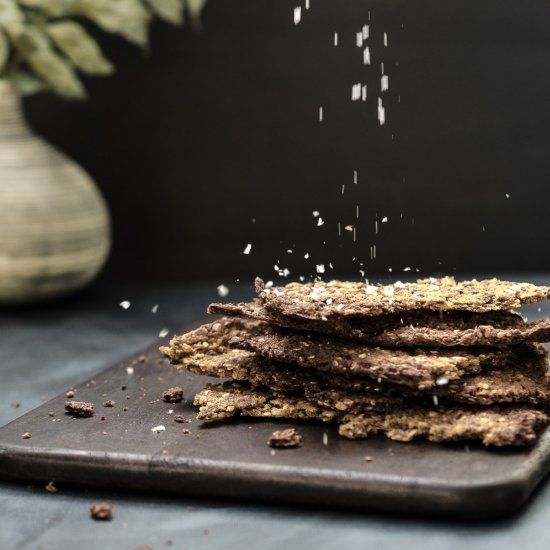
(231, 460)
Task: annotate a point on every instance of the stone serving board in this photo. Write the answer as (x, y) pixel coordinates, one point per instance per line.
(232, 461)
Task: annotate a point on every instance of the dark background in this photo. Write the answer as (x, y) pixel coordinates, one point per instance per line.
(213, 129)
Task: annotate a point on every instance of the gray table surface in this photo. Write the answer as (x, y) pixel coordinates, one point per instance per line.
(45, 350)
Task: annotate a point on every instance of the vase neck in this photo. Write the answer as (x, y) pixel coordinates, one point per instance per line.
(12, 122)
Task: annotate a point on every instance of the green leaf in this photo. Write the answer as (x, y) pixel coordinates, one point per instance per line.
(4, 50)
(10, 14)
(27, 84)
(129, 18)
(169, 10)
(194, 7)
(79, 47)
(56, 72)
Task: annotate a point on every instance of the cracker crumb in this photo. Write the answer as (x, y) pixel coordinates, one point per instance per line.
(109, 403)
(158, 429)
(26, 435)
(102, 511)
(181, 419)
(368, 459)
(79, 408)
(69, 394)
(173, 395)
(285, 439)
(186, 431)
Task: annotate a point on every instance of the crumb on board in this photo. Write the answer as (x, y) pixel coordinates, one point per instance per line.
(102, 511)
(26, 435)
(50, 487)
(109, 403)
(79, 408)
(173, 395)
(285, 439)
(51, 413)
(69, 394)
(181, 419)
(368, 459)
(186, 431)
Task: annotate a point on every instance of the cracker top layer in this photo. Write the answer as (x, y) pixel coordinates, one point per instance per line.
(321, 300)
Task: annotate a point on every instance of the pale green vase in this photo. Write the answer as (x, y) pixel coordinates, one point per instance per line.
(54, 223)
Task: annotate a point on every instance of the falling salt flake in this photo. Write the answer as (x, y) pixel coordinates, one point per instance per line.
(170, 411)
(320, 268)
(384, 219)
(356, 92)
(384, 83)
(247, 249)
(355, 177)
(365, 32)
(379, 380)
(155, 308)
(385, 39)
(289, 251)
(436, 400)
(125, 304)
(539, 309)
(482, 228)
(163, 333)
(357, 211)
(302, 278)
(158, 429)
(330, 265)
(272, 452)
(381, 67)
(306, 255)
(359, 39)
(390, 269)
(307, 4)
(320, 114)
(507, 196)
(130, 370)
(336, 39)
(442, 381)
(348, 227)
(325, 439)
(315, 213)
(276, 267)
(320, 222)
(366, 56)
(297, 14)
(406, 269)
(223, 291)
(381, 112)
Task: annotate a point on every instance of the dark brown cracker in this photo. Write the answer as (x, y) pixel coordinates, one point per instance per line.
(523, 382)
(220, 401)
(515, 426)
(527, 385)
(407, 329)
(209, 339)
(322, 300)
(418, 369)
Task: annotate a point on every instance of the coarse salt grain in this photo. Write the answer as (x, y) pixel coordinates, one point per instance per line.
(306, 255)
(316, 213)
(442, 381)
(384, 219)
(223, 291)
(320, 222)
(125, 304)
(158, 429)
(297, 14)
(247, 249)
(406, 269)
(164, 332)
(436, 400)
(328, 301)
(320, 268)
(130, 370)
(155, 308)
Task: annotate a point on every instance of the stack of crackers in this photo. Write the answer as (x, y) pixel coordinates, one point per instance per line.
(438, 359)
